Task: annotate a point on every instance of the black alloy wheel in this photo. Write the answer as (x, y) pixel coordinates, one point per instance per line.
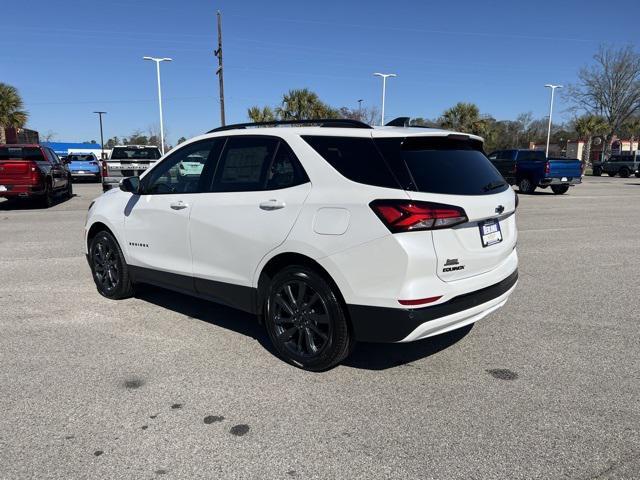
(305, 320)
(110, 272)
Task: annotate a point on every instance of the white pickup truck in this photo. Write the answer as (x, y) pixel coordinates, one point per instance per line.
(127, 161)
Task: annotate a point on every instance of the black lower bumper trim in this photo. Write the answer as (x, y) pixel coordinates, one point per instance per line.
(382, 324)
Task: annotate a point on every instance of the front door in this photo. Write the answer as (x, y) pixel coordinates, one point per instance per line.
(157, 220)
(257, 193)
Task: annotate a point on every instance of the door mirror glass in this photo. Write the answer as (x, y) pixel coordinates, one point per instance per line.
(130, 184)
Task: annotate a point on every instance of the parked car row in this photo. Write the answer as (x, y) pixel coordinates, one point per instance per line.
(531, 169)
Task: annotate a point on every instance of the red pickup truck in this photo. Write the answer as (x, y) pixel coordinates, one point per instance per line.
(33, 171)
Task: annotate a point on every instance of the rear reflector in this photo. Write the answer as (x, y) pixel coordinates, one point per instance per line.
(420, 301)
(105, 171)
(408, 216)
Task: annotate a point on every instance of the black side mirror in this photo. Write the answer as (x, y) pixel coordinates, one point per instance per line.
(130, 184)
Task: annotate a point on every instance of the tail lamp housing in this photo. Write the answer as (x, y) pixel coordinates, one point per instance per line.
(411, 215)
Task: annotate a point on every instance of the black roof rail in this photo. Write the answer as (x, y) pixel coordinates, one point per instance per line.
(321, 122)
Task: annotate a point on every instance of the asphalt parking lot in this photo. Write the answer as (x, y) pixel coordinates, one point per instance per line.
(166, 386)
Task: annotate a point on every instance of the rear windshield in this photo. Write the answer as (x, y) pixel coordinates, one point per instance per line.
(24, 153)
(123, 153)
(444, 165)
(80, 158)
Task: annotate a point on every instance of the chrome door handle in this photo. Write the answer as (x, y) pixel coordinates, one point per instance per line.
(272, 204)
(179, 205)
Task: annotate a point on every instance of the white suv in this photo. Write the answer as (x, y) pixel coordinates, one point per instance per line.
(331, 234)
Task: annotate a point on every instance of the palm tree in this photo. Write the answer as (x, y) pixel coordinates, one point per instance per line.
(631, 129)
(264, 114)
(304, 104)
(464, 117)
(587, 127)
(12, 114)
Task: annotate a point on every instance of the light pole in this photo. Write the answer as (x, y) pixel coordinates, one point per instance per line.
(101, 136)
(158, 60)
(553, 89)
(384, 89)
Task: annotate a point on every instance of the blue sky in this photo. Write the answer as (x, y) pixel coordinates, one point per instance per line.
(71, 57)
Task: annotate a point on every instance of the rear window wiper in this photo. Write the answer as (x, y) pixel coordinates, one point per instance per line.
(493, 185)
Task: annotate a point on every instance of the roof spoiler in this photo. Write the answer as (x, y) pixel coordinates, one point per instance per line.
(398, 122)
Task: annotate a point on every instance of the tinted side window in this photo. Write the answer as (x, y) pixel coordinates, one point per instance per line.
(357, 159)
(244, 164)
(285, 170)
(188, 170)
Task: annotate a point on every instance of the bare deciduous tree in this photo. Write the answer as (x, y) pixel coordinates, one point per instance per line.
(610, 88)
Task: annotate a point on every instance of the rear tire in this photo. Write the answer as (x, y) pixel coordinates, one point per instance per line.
(638, 174)
(526, 186)
(305, 320)
(46, 201)
(597, 171)
(624, 172)
(69, 193)
(109, 269)
(611, 174)
(559, 189)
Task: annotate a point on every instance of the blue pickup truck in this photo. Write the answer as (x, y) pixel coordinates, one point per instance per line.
(530, 169)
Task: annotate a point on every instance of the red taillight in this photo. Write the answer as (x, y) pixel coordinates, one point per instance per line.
(408, 216)
(420, 301)
(105, 172)
(547, 168)
(36, 175)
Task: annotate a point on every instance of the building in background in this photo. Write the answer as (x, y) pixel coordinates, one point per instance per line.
(64, 148)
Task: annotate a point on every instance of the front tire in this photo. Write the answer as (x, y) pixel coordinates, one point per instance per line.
(624, 172)
(305, 320)
(109, 269)
(559, 189)
(526, 186)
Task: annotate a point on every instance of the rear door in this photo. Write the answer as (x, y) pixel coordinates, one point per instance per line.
(458, 173)
(258, 191)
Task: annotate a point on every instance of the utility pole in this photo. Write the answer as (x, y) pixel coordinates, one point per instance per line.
(553, 89)
(360, 108)
(101, 136)
(218, 53)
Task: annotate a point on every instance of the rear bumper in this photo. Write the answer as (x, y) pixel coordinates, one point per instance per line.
(383, 324)
(21, 191)
(558, 181)
(86, 174)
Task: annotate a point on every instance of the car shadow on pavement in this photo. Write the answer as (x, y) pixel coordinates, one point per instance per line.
(206, 311)
(366, 356)
(29, 204)
(381, 356)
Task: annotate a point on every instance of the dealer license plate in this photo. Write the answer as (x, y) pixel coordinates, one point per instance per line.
(490, 232)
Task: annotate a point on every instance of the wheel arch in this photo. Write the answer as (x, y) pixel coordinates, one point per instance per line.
(99, 226)
(284, 259)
